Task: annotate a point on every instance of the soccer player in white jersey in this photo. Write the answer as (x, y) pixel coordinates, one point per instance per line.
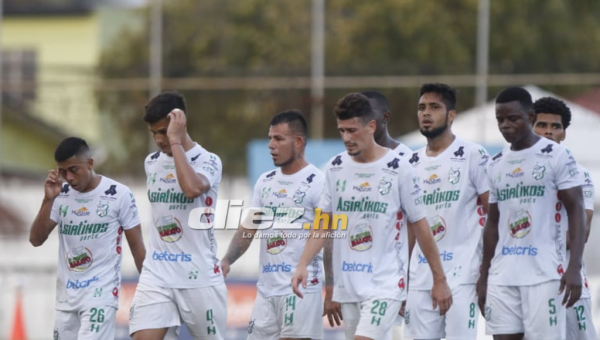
(535, 189)
(455, 194)
(382, 114)
(289, 195)
(552, 118)
(92, 213)
(181, 280)
(364, 188)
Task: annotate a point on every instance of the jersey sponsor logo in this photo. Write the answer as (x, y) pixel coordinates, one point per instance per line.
(83, 211)
(85, 230)
(361, 236)
(340, 185)
(438, 228)
(280, 194)
(80, 284)
(439, 196)
(357, 267)
(171, 257)
(516, 173)
(277, 268)
(169, 229)
(265, 192)
(79, 259)
(484, 157)
(384, 187)
(276, 244)
(454, 176)
(168, 196)
(169, 179)
(519, 251)
(364, 205)
(519, 191)
(102, 208)
(433, 179)
(520, 225)
(445, 256)
(63, 210)
(363, 187)
(538, 172)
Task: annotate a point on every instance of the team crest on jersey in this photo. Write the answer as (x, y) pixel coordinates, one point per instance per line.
(384, 186)
(521, 224)
(538, 172)
(299, 195)
(79, 259)
(361, 236)
(276, 244)
(169, 229)
(438, 228)
(102, 208)
(454, 176)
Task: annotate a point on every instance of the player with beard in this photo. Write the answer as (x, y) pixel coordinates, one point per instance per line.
(535, 197)
(552, 118)
(455, 194)
(365, 187)
(289, 193)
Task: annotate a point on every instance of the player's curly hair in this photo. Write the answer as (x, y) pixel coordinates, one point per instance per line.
(553, 106)
(354, 105)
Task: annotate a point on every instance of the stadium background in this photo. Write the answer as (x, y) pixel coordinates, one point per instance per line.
(86, 68)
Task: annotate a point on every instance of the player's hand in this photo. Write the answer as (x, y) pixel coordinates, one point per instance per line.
(53, 185)
(441, 296)
(225, 267)
(176, 132)
(402, 311)
(481, 289)
(333, 310)
(300, 277)
(570, 284)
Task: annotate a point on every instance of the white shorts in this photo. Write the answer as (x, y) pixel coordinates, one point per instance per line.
(536, 311)
(580, 325)
(95, 323)
(459, 323)
(287, 316)
(203, 310)
(372, 318)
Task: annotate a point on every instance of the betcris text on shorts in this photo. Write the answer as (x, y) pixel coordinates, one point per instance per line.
(357, 267)
(445, 256)
(519, 251)
(277, 268)
(80, 284)
(171, 257)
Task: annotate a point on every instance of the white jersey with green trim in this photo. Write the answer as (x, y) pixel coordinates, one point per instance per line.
(292, 199)
(532, 224)
(90, 229)
(371, 196)
(177, 255)
(452, 183)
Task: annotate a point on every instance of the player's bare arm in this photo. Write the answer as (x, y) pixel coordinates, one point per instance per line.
(332, 309)
(490, 240)
(135, 240)
(440, 292)
(314, 244)
(588, 223)
(237, 247)
(570, 282)
(192, 184)
(42, 225)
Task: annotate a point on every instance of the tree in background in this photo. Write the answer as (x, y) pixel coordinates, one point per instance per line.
(215, 38)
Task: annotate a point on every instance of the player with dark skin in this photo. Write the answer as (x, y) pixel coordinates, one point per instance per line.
(516, 125)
